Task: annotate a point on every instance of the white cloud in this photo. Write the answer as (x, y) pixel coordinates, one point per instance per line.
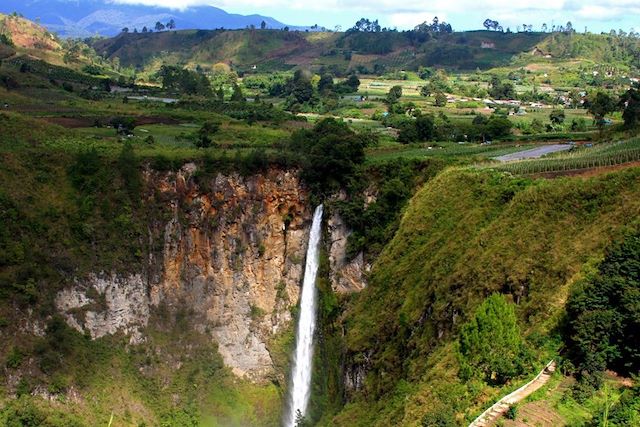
(407, 13)
(410, 20)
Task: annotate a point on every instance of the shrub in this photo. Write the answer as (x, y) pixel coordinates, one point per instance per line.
(123, 125)
(14, 358)
(512, 412)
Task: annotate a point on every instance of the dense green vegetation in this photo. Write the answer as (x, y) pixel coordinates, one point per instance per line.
(602, 316)
(330, 153)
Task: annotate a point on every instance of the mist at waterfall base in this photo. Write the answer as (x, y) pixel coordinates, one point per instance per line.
(300, 386)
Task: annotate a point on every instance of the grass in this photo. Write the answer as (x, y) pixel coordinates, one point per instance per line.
(453, 152)
(467, 234)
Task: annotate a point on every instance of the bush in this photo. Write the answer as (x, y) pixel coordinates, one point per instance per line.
(24, 412)
(123, 125)
(6, 39)
(14, 358)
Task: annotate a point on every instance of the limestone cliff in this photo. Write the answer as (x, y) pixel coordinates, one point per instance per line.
(231, 250)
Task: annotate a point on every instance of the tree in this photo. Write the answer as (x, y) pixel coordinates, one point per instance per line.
(125, 30)
(237, 95)
(263, 25)
(159, 26)
(408, 133)
(575, 97)
(490, 24)
(394, 95)
(123, 125)
(203, 138)
(300, 87)
(425, 91)
(537, 126)
(557, 117)
(491, 344)
(630, 104)
(501, 90)
(440, 99)
(425, 127)
(352, 83)
(171, 25)
(330, 152)
(600, 104)
(497, 126)
(145, 30)
(325, 85)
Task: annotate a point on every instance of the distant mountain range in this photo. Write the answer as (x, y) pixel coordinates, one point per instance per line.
(84, 18)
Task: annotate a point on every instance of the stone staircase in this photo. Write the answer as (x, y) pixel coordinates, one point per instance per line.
(491, 415)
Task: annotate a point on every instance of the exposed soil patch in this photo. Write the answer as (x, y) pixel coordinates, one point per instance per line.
(541, 413)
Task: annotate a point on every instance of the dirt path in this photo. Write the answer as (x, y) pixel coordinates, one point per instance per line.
(489, 416)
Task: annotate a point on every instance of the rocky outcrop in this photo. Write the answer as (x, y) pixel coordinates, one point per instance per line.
(346, 275)
(235, 258)
(231, 251)
(104, 305)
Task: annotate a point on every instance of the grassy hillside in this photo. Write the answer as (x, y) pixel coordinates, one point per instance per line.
(267, 49)
(466, 235)
(271, 49)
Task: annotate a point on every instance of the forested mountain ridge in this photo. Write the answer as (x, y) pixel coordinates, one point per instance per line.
(364, 52)
(89, 18)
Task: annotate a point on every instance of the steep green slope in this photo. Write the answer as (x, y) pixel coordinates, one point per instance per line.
(466, 235)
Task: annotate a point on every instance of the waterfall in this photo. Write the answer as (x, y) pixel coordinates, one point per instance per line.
(300, 387)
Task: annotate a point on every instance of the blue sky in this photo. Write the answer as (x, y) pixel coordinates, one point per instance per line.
(462, 14)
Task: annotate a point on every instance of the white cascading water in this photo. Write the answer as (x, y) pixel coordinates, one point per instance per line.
(301, 374)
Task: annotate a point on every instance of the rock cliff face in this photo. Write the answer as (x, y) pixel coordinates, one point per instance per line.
(346, 275)
(231, 251)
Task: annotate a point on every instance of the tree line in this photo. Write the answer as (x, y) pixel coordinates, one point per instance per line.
(171, 25)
